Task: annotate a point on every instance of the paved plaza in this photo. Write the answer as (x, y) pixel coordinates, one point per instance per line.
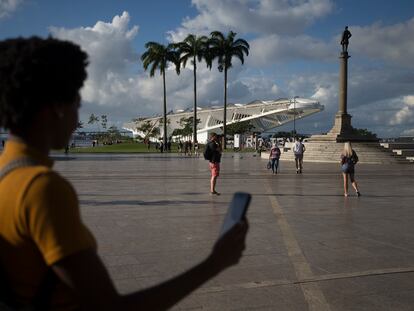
(308, 247)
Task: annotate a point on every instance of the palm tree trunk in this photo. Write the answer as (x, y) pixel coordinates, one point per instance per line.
(165, 111)
(225, 109)
(195, 104)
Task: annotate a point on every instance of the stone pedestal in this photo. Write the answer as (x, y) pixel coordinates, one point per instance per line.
(342, 129)
(342, 125)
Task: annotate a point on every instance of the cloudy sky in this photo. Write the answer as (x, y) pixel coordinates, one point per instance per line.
(294, 52)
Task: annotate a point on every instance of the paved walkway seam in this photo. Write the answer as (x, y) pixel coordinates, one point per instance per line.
(313, 294)
(318, 278)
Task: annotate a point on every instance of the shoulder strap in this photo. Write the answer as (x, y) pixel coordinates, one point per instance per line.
(42, 298)
(20, 162)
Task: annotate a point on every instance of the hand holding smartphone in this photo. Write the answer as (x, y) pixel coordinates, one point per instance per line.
(236, 212)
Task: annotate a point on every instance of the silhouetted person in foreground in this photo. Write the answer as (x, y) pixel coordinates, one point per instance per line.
(345, 39)
(42, 234)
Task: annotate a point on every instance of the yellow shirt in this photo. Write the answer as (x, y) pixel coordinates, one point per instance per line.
(40, 224)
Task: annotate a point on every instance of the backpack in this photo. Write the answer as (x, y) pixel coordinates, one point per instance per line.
(298, 148)
(354, 157)
(208, 152)
(43, 295)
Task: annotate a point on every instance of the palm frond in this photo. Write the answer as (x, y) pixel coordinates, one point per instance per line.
(239, 54)
(217, 34)
(241, 42)
(154, 67)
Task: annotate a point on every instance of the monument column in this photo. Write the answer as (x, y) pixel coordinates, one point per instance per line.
(342, 129)
(342, 124)
(343, 83)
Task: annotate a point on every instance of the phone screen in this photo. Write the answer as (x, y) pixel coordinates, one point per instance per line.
(237, 210)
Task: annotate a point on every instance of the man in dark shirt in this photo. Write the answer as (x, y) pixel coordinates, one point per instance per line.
(214, 162)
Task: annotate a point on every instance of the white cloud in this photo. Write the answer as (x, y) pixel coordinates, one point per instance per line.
(7, 7)
(261, 88)
(406, 114)
(253, 16)
(393, 43)
(408, 132)
(109, 46)
(111, 81)
(279, 49)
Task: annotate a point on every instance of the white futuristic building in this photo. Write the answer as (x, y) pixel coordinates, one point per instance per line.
(263, 115)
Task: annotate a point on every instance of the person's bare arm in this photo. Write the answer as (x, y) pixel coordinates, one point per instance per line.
(86, 275)
(227, 252)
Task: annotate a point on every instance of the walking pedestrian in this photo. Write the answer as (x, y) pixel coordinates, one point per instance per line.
(298, 150)
(185, 147)
(180, 147)
(190, 147)
(162, 146)
(348, 160)
(196, 152)
(212, 153)
(274, 158)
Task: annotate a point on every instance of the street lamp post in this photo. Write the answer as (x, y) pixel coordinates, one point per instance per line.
(294, 115)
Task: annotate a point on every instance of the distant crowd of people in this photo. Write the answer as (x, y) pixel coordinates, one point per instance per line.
(186, 148)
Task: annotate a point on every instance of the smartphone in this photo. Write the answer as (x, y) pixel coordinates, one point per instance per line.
(237, 211)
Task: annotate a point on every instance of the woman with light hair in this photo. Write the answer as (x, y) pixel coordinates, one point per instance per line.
(348, 160)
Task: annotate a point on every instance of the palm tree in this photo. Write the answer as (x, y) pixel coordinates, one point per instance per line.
(224, 48)
(158, 56)
(194, 48)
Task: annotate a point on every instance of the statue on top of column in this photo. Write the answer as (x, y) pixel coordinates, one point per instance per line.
(345, 39)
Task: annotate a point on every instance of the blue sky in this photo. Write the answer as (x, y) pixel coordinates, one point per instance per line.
(294, 51)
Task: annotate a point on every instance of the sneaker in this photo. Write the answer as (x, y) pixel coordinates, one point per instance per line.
(214, 193)
(345, 194)
(358, 193)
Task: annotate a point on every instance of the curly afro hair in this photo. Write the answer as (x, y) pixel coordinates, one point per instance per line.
(35, 73)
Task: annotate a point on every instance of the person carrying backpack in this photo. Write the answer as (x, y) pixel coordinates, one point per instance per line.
(298, 150)
(212, 153)
(348, 160)
(274, 158)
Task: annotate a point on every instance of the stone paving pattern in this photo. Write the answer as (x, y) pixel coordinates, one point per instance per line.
(308, 247)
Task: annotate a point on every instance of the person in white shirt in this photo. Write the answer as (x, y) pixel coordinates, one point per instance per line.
(298, 150)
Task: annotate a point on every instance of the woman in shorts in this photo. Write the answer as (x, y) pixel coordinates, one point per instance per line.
(348, 160)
